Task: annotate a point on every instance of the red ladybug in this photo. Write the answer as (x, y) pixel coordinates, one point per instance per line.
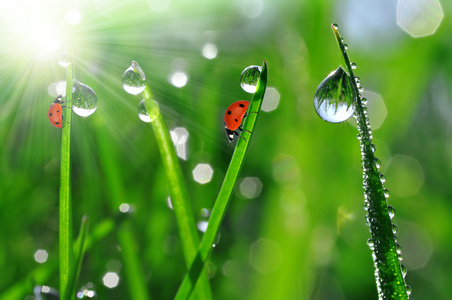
(233, 117)
(56, 113)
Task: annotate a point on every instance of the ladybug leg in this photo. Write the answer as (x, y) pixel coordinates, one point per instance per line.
(253, 112)
(241, 129)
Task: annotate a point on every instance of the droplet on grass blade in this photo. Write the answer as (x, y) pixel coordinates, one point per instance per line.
(64, 59)
(134, 79)
(335, 97)
(84, 99)
(249, 78)
(146, 115)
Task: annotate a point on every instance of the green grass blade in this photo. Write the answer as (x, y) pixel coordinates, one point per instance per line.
(222, 202)
(178, 191)
(388, 270)
(65, 226)
(79, 252)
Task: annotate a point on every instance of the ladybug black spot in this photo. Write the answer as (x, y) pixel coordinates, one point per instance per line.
(50, 114)
(236, 120)
(241, 105)
(229, 112)
(57, 123)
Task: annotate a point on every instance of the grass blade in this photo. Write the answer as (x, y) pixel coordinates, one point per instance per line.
(178, 192)
(65, 222)
(222, 202)
(388, 269)
(79, 252)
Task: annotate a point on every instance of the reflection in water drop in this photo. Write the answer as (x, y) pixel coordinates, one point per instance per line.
(134, 79)
(84, 99)
(335, 97)
(271, 99)
(148, 115)
(249, 78)
(64, 59)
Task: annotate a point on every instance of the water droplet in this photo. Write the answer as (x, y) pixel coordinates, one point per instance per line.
(403, 269)
(409, 290)
(84, 99)
(364, 101)
(398, 249)
(391, 211)
(335, 26)
(249, 78)
(64, 59)
(360, 89)
(373, 147)
(394, 229)
(377, 162)
(345, 46)
(386, 193)
(353, 65)
(370, 243)
(134, 79)
(146, 115)
(334, 99)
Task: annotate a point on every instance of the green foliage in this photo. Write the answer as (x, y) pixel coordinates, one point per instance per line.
(302, 235)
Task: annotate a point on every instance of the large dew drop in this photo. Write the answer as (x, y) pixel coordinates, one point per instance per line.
(64, 59)
(84, 99)
(335, 98)
(134, 79)
(148, 115)
(249, 78)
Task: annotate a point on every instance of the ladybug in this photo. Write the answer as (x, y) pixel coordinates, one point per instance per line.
(56, 113)
(233, 117)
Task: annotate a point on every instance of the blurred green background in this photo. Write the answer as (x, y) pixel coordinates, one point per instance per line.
(295, 228)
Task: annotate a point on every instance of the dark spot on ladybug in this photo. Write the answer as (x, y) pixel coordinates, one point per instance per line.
(241, 105)
(58, 111)
(236, 120)
(50, 114)
(57, 123)
(229, 112)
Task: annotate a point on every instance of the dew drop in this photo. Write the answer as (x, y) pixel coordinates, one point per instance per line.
(146, 115)
(391, 211)
(345, 46)
(394, 229)
(403, 269)
(373, 147)
(134, 79)
(370, 243)
(353, 65)
(249, 78)
(335, 26)
(84, 99)
(64, 59)
(377, 162)
(409, 290)
(398, 249)
(386, 193)
(364, 101)
(334, 99)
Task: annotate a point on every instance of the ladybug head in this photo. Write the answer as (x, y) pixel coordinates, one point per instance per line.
(230, 135)
(58, 99)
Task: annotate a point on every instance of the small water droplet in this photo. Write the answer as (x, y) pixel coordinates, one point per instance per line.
(409, 290)
(373, 148)
(64, 59)
(377, 162)
(391, 211)
(335, 26)
(403, 269)
(370, 243)
(334, 99)
(386, 193)
(353, 65)
(360, 89)
(345, 46)
(394, 229)
(398, 249)
(134, 79)
(84, 99)
(146, 115)
(249, 78)
(364, 101)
